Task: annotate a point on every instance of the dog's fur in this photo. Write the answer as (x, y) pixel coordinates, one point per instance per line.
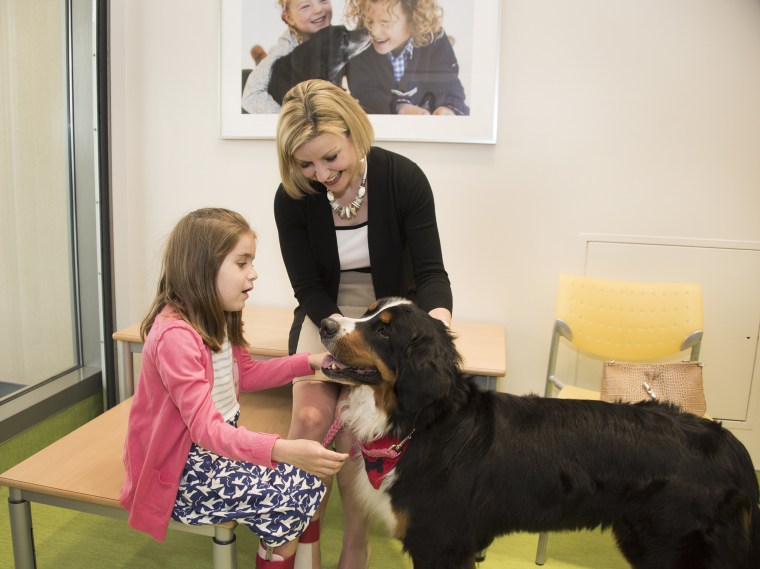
(323, 56)
(677, 491)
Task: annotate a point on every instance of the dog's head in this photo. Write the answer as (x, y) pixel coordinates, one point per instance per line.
(404, 354)
(334, 46)
(324, 56)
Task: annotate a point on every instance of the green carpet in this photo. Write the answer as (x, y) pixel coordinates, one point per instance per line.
(65, 539)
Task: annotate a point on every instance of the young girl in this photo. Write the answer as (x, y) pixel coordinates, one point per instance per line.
(412, 69)
(303, 18)
(184, 457)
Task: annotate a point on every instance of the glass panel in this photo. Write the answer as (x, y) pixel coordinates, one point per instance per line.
(37, 307)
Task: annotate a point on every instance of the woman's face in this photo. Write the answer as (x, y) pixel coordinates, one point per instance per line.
(308, 16)
(331, 160)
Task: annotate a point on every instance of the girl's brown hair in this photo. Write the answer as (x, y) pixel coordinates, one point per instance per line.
(194, 252)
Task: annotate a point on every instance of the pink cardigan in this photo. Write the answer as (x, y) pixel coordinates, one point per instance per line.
(172, 408)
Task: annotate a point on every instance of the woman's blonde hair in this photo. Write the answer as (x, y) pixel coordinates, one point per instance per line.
(193, 254)
(309, 109)
(425, 17)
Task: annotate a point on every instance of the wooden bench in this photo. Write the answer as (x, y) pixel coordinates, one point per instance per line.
(84, 471)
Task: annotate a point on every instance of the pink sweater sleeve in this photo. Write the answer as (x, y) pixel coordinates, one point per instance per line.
(185, 373)
(256, 375)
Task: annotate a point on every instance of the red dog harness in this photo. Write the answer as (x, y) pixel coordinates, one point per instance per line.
(380, 456)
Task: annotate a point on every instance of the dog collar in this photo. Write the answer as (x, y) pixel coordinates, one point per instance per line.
(381, 455)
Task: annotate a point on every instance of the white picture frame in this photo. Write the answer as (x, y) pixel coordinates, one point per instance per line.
(472, 26)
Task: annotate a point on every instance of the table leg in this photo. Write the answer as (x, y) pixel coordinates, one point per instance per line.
(225, 548)
(22, 535)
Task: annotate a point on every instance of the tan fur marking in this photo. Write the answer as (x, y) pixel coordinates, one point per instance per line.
(402, 523)
(746, 522)
(385, 399)
(353, 351)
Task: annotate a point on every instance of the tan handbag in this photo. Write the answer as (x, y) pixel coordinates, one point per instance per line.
(678, 382)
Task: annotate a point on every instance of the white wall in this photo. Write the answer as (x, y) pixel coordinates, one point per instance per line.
(633, 117)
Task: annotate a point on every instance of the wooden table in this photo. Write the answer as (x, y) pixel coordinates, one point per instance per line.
(482, 346)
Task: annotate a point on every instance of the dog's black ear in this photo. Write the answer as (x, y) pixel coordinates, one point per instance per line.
(425, 372)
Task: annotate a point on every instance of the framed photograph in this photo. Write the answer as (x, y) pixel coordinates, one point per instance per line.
(250, 28)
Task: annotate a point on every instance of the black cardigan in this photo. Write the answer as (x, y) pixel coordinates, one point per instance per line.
(404, 246)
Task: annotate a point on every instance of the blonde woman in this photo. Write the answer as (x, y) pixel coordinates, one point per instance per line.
(356, 223)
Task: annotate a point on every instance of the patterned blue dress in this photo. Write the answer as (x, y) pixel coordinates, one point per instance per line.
(275, 503)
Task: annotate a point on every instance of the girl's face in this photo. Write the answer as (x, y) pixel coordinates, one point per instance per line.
(308, 16)
(330, 159)
(389, 29)
(236, 274)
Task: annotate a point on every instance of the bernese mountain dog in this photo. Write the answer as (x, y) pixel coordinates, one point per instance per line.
(451, 466)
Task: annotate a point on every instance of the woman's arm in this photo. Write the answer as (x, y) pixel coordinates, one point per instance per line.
(421, 229)
(298, 253)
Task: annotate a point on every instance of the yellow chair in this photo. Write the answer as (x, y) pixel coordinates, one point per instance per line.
(619, 320)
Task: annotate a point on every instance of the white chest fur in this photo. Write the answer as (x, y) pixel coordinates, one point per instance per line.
(361, 416)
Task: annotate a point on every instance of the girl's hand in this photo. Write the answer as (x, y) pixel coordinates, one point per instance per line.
(315, 360)
(309, 456)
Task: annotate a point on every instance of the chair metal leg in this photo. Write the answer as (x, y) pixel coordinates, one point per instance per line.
(543, 541)
(225, 548)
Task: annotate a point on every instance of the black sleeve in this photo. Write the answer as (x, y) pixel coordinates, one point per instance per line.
(433, 288)
(311, 275)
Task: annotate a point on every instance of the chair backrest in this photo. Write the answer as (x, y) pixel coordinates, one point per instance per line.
(629, 321)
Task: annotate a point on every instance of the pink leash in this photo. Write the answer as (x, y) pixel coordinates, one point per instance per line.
(332, 431)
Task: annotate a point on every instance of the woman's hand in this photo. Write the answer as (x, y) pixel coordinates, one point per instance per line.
(441, 314)
(309, 456)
